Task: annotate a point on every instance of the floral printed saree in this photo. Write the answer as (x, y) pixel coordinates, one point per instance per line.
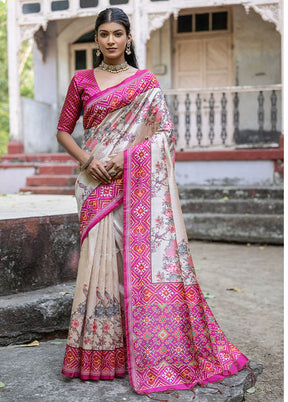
(135, 264)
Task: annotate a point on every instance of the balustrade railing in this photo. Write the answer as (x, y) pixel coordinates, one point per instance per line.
(223, 117)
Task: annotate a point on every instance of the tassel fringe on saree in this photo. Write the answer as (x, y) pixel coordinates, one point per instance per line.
(134, 228)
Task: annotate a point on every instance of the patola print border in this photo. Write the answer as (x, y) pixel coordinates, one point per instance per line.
(188, 301)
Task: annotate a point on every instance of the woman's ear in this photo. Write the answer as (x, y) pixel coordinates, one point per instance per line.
(129, 37)
(95, 38)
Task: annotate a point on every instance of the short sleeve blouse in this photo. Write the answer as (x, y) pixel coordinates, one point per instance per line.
(82, 86)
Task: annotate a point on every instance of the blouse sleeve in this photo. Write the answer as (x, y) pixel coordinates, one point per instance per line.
(71, 109)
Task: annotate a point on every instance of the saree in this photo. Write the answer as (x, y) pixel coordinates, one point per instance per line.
(137, 300)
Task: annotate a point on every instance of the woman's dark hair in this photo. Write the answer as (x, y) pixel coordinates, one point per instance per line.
(116, 15)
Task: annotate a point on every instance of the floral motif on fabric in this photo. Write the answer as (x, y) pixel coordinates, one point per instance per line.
(95, 340)
(100, 330)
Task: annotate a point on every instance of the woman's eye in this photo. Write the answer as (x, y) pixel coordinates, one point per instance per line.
(118, 34)
(103, 35)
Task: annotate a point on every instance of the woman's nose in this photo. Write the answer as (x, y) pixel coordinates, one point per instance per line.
(110, 39)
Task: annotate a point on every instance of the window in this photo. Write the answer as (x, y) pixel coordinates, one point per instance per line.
(219, 21)
(88, 3)
(202, 22)
(31, 8)
(60, 5)
(184, 23)
(116, 2)
(80, 59)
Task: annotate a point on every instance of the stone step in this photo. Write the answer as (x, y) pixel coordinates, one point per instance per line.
(51, 180)
(53, 157)
(38, 251)
(57, 169)
(30, 315)
(224, 206)
(48, 190)
(232, 192)
(235, 227)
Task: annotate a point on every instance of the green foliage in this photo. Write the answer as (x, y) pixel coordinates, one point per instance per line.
(25, 71)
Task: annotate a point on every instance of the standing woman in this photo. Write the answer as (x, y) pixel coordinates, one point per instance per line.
(134, 248)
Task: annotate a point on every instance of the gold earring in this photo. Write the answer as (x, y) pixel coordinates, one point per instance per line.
(98, 51)
(128, 50)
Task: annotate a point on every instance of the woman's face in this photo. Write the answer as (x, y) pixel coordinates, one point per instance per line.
(112, 40)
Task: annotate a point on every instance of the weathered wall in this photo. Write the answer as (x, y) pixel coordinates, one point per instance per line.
(257, 49)
(225, 172)
(38, 252)
(159, 54)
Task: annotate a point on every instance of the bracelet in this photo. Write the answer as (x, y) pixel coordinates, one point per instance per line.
(87, 163)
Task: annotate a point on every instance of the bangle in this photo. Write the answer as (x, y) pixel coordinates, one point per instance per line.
(87, 163)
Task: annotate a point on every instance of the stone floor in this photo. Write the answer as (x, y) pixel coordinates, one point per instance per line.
(34, 374)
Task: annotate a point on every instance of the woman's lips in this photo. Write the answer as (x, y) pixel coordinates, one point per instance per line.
(111, 49)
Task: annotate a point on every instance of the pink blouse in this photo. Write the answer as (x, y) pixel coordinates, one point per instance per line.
(82, 86)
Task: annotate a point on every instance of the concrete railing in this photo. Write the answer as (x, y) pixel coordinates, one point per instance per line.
(226, 117)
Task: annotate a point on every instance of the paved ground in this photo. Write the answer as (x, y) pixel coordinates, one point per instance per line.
(247, 285)
(25, 205)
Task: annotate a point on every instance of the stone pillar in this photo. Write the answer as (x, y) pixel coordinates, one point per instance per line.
(140, 24)
(15, 112)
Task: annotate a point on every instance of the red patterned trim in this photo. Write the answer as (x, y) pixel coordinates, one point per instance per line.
(121, 95)
(94, 364)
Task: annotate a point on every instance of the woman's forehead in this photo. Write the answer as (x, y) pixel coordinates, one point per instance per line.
(111, 27)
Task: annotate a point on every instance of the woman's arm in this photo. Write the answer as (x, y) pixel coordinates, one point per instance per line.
(95, 169)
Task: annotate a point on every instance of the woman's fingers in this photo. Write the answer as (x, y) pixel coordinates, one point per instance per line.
(98, 172)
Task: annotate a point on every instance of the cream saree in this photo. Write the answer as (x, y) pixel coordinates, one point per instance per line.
(133, 228)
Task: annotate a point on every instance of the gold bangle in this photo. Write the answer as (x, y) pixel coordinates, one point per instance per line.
(87, 163)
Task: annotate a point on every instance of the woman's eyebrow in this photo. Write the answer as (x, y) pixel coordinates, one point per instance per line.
(117, 30)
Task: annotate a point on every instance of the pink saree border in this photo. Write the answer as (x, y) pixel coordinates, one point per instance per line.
(98, 205)
(135, 372)
(105, 361)
(111, 89)
(114, 98)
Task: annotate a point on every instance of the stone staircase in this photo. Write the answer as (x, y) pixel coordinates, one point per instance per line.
(237, 214)
(54, 173)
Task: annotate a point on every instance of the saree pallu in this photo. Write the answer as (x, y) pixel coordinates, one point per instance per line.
(172, 338)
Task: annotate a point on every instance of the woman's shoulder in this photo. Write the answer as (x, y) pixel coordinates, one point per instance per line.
(80, 74)
(149, 77)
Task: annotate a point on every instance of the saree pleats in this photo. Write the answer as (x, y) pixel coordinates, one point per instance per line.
(95, 341)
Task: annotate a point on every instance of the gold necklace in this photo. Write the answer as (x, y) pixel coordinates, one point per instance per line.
(114, 68)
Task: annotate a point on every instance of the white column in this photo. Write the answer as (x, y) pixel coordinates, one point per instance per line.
(140, 29)
(15, 112)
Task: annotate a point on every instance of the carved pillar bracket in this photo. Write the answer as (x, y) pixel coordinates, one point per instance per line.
(269, 12)
(27, 31)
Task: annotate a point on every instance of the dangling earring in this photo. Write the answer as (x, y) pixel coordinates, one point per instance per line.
(128, 50)
(98, 51)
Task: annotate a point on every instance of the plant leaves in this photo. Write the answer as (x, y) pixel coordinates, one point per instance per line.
(56, 342)
(253, 390)
(34, 343)
(208, 296)
(235, 289)
(2, 385)
(64, 293)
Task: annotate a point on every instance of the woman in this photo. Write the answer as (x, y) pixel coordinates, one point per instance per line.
(132, 226)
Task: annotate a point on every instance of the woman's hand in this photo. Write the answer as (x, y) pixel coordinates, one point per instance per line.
(97, 170)
(115, 166)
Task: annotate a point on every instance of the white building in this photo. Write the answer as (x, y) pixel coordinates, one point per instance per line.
(219, 62)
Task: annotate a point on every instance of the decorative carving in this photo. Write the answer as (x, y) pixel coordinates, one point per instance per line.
(156, 21)
(269, 12)
(41, 42)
